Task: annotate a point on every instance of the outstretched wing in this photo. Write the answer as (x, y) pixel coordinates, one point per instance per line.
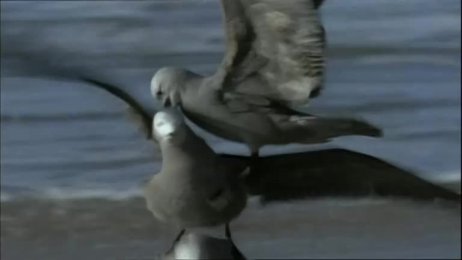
(334, 173)
(142, 112)
(274, 49)
(141, 115)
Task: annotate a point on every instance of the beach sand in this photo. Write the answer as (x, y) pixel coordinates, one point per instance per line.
(322, 228)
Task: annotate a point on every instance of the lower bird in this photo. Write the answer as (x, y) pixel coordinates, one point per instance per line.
(195, 187)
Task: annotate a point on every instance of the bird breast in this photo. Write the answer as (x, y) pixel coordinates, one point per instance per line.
(187, 202)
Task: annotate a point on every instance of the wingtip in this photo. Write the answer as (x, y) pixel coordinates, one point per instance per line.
(317, 3)
(368, 129)
(376, 132)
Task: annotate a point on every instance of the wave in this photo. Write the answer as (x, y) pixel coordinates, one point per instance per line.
(12, 193)
(61, 117)
(9, 193)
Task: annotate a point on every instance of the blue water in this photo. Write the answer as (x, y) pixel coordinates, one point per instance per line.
(394, 63)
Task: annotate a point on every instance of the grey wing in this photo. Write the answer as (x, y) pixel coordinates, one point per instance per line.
(140, 114)
(275, 49)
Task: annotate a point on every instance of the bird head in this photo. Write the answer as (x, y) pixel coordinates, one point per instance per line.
(169, 126)
(166, 85)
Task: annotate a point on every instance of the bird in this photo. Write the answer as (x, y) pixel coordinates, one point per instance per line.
(249, 98)
(274, 61)
(195, 187)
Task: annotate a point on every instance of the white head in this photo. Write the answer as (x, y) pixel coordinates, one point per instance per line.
(168, 125)
(167, 83)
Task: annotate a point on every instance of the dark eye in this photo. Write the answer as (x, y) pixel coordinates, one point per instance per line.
(159, 93)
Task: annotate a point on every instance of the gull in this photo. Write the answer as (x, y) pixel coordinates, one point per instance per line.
(274, 61)
(195, 187)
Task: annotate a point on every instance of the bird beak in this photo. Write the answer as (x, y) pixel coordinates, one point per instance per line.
(169, 131)
(166, 102)
(165, 131)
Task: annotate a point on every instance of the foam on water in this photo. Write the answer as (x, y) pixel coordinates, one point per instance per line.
(449, 180)
(445, 178)
(54, 193)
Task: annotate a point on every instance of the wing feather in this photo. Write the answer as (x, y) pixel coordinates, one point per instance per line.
(275, 49)
(138, 113)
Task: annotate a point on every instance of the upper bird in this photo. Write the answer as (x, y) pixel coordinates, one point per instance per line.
(274, 59)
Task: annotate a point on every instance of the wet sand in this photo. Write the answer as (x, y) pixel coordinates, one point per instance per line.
(324, 228)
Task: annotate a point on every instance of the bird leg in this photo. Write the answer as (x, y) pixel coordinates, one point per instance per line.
(177, 238)
(252, 174)
(254, 156)
(180, 234)
(228, 232)
(234, 250)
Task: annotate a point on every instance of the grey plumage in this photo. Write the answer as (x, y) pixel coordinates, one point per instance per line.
(195, 187)
(274, 49)
(274, 59)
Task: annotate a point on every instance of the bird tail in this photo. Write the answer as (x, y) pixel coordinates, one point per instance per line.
(312, 129)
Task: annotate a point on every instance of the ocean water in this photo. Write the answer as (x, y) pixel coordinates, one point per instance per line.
(394, 63)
